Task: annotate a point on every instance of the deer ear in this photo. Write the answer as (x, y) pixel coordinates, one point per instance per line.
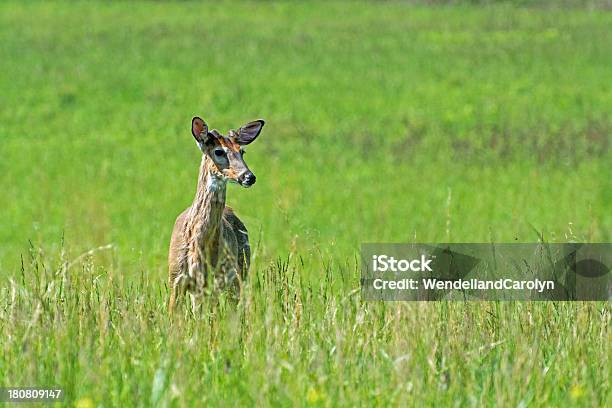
(248, 132)
(199, 130)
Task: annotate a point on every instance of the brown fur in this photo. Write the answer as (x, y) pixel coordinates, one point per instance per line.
(208, 238)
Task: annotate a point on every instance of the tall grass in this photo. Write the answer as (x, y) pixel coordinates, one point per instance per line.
(292, 340)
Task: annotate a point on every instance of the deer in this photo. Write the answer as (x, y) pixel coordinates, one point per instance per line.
(209, 242)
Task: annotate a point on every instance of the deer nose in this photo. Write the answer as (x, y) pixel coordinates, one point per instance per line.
(247, 179)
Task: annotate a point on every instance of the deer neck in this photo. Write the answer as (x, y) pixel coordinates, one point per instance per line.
(205, 215)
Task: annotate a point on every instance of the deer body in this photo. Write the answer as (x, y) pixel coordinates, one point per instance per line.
(209, 242)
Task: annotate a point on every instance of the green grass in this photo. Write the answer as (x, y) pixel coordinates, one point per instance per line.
(385, 122)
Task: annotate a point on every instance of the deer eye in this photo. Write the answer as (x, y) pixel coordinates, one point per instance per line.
(219, 152)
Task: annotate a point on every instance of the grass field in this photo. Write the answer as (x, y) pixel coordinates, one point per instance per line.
(385, 122)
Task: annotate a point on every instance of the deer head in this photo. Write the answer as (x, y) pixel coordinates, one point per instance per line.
(227, 152)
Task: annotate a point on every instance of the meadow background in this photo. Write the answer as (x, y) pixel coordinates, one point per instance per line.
(385, 121)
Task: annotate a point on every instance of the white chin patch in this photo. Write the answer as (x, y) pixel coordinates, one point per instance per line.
(215, 183)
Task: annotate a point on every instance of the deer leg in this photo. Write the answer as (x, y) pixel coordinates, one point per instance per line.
(178, 289)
